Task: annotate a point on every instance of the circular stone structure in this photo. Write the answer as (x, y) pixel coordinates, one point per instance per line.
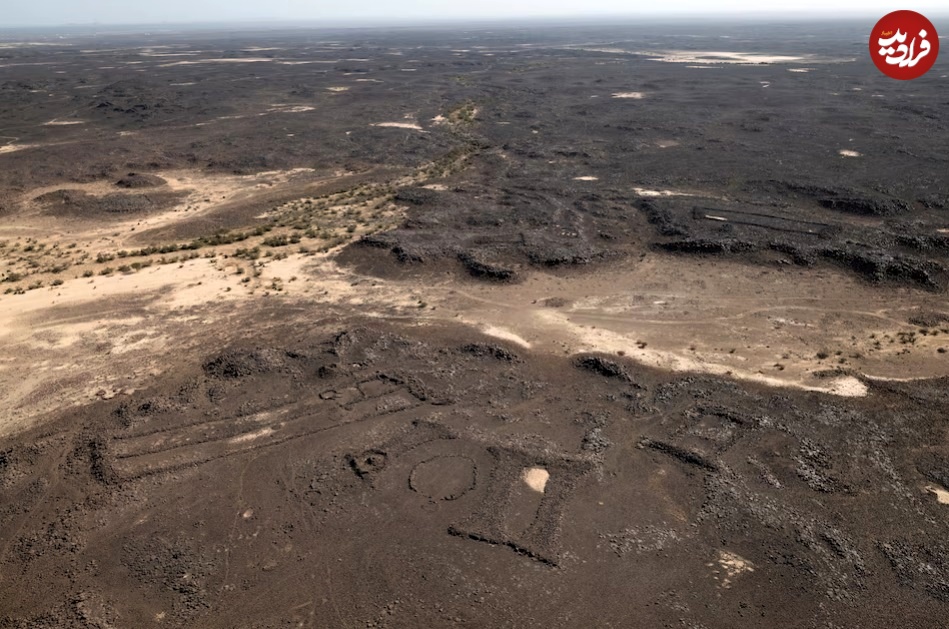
(443, 477)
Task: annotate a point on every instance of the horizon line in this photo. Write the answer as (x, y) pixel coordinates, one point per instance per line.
(738, 17)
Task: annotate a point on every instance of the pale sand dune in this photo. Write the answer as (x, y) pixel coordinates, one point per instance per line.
(586, 178)
(636, 95)
(849, 153)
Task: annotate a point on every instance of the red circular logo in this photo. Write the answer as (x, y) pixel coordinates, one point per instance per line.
(904, 45)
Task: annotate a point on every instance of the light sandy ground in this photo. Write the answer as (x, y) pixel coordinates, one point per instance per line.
(289, 109)
(169, 54)
(54, 123)
(503, 334)
(800, 70)
(338, 89)
(400, 125)
(536, 478)
(942, 496)
(636, 95)
(849, 153)
(720, 57)
(586, 178)
(251, 436)
(665, 144)
(204, 192)
(200, 61)
(731, 566)
(10, 148)
(646, 192)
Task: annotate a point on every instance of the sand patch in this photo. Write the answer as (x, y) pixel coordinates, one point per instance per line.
(720, 57)
(636, 95)
(302, 63)
(168, 54)
(586, 178)
(58, 123)
(399, 125)
(252, 436)
(646, 192)
(942, 496)
(666, 144)
(504, 334)
(732, 566)
(800, 70)
(849, 153)
(289, 109)
(338, 88)
(536, 478)
(848, 386)
(200, 61)
(599, 339)
(11, 148)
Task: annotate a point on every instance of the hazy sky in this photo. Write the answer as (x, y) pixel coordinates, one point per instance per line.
(54, 12)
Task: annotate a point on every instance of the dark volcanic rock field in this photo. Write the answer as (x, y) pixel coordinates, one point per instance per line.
(343, 464)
